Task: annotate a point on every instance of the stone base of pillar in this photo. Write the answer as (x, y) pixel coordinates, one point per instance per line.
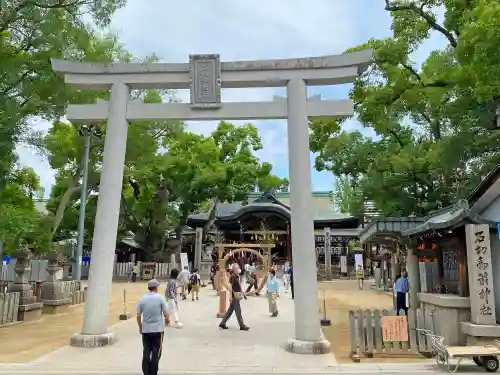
(57, 306)
(30, 312)
(80, 340)
(308, 347)
(479, 334)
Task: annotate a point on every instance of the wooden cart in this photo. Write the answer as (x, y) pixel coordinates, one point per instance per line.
(483, 355)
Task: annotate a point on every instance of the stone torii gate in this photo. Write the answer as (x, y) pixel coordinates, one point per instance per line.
(205, 75)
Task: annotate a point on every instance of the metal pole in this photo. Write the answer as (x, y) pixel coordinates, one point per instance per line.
(83, 203)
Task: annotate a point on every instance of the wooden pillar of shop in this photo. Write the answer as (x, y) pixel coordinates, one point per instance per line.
(394, 267)
(222, 304)
(222, 292)
(217, 279)
(288, 243)
(219, 255)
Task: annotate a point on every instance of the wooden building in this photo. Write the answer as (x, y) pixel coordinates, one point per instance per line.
(453, 264)
(242, 222)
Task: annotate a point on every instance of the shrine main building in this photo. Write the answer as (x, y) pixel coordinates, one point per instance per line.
(243, 222)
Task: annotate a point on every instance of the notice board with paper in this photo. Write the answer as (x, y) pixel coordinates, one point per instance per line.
(394, 328)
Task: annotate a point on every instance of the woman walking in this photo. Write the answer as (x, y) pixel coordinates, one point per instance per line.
(236, 296)
(135, 272)
(286, 276)
(172, 299)
(272, 293)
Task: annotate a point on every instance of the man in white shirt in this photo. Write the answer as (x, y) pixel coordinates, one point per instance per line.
(184, 282)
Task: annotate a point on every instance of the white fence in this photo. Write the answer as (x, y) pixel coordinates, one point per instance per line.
(366, 337)
(73, 289)
(122, 269)
(69, 287)
(38, 270)
(9, 306)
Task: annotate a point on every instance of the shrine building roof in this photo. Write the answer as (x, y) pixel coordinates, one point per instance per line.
(473, 210)
(383, 230)
(447, 218)
(276, 203)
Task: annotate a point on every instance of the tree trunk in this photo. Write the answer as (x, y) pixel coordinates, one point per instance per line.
(61, 208)
(212, 216)
(155, 237)
(178, 232)
(178, 237)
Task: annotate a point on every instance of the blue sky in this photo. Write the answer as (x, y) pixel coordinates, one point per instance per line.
(246, 30)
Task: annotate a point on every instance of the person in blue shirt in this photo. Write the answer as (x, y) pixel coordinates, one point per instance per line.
(401, 287)
(272, 293)
(152, 317)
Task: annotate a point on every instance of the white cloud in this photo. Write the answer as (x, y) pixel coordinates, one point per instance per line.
(243, 30)
(237, 29)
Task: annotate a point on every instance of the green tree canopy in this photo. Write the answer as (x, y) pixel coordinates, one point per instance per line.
(434, 124)
(19, 220)
(64, 145)
(194, 170)
(31, 33)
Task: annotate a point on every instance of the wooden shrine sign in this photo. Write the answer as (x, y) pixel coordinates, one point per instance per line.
(394, 328)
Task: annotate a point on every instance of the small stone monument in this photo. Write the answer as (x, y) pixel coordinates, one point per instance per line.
(29, 308)
(55, 300)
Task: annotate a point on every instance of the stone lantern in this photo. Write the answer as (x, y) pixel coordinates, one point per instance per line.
(55, 299)
(29, 308)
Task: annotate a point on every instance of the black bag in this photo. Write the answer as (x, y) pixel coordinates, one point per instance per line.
(193, 280)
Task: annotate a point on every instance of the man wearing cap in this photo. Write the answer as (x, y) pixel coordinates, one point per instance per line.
(152, 317)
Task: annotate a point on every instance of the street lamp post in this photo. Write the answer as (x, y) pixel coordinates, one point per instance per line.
(88, 132)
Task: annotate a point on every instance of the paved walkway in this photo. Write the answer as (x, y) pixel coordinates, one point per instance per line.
(201, 347)
(200, 344)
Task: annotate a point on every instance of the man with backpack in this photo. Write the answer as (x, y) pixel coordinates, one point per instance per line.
(195, 283)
